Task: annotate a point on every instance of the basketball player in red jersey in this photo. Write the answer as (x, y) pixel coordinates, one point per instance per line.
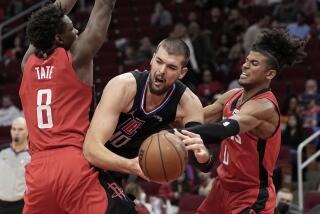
(249, 129)
(56, 94)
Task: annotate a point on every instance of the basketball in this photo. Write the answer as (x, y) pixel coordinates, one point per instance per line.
(163, 157)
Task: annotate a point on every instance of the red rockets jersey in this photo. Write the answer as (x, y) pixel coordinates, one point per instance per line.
(56, 103)
(247, 161)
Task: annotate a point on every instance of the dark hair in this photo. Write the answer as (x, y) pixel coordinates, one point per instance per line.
(176, 46)
(43, 25)
(281, 49)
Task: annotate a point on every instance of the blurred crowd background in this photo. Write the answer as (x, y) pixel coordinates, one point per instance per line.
(219, 35)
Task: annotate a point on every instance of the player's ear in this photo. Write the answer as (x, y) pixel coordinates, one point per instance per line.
(58, 39)
(271, 74)
(184, 71)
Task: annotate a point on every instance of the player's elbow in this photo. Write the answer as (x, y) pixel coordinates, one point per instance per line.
(88, 152)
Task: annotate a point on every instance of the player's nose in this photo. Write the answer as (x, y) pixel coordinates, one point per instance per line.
(162, 68)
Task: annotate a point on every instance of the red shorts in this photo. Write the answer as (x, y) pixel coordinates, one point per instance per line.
(222, 201)
(62, 181)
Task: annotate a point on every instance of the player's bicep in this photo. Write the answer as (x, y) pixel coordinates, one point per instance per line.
(193, 110)
(252, 114)
(213, 112)
(106, 115)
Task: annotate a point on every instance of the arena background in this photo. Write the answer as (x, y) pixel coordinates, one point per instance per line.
(219, 34)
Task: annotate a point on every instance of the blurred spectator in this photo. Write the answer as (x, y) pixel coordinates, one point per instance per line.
(311, 115)
(202, 46)
(310, 92)
(192, 77)
(285, 12)
(237, 51)
(299, 28)
(208, 88)
(308, 7)
(284, 200)
(293, 134)
(290, 106)
(8, 111)
(254, 31)
(146, 48)
(160, 17)
(192, 17)
(142, 207)
(16, 52)
(205, 183)
(215, 21)
(13, 159)
(223, 64)
(131, 56)
(235, 24)
(180, 31)
(284, 203)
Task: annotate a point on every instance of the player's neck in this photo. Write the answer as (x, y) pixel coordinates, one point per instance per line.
(18, 147)
(152, 101)
(248, 93)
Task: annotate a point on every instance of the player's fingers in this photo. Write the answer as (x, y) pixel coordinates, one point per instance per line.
(181, 136)
(190, 134)
(144, 177)
(193, 141)
(194, 147)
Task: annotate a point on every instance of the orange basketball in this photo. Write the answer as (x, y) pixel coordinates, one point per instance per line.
(163, 157)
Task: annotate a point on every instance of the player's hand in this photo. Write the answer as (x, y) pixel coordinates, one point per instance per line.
(136, 169)
(194, 143)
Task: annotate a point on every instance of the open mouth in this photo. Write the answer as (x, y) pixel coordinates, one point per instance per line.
(243, 75)
(158, 80)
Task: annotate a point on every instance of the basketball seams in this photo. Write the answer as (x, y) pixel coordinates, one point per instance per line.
(163, 168)
(145, 157)
(180, 159)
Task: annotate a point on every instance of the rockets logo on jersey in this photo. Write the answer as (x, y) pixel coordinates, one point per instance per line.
(126, 131)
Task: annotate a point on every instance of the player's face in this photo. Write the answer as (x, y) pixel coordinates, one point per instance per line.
(69, 35)
(256, 71)
(19, 132)
(165, 70)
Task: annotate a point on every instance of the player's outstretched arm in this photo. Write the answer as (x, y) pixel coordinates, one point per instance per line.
(94, 35)
(67, 5)
(213, 112)
(190, 112)
(116, 97)
(252, 114)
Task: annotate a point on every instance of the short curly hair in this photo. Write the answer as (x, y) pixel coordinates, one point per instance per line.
(281, 49)
(43, 25)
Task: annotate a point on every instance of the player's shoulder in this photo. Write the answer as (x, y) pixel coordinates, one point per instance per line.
(123, 80)
(227, 95)
(232, 92)
(260, 106)
(123, 84)
(190, 98)
(4, 146)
